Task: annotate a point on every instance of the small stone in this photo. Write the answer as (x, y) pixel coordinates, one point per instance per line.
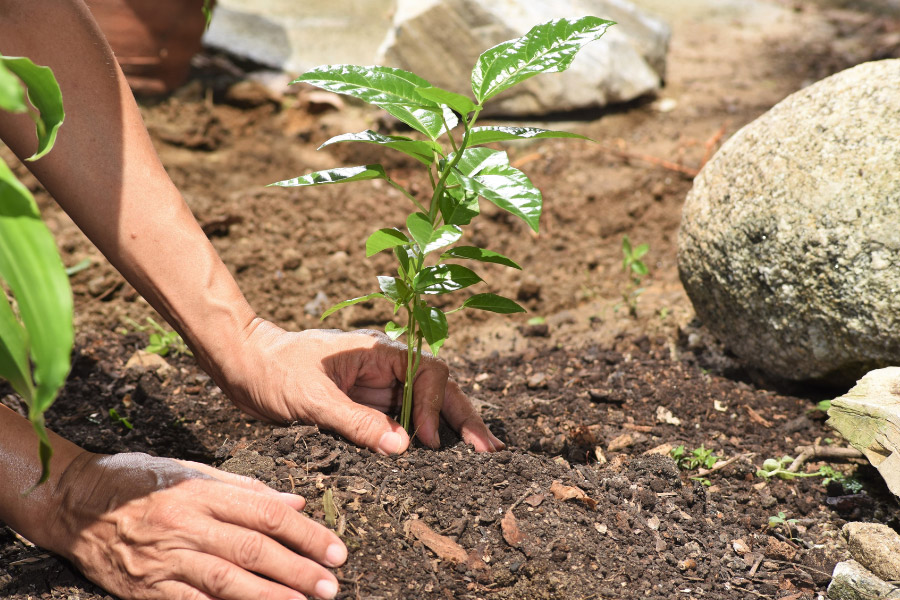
(147, 361)
(538, 380)
(740, 547)
(876, 547)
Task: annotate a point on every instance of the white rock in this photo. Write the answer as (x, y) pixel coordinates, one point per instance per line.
(851, 581)
(789, 246)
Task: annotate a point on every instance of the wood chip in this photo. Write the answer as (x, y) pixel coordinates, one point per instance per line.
(441, 545)
(568, 492)
(619, 443)
(510, 528)
(756, 417)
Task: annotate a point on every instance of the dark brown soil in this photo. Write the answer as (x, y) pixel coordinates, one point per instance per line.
(592, 399)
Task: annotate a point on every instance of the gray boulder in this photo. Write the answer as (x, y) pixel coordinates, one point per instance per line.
(440, 40)
(790, 238)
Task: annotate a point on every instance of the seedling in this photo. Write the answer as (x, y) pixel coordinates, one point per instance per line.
(461, 170)
(115, 416)
(778, 467)
(781, 520)
(635, 269)
(699, 457)
(161, 341)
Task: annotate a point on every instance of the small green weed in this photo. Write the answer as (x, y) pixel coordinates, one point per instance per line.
(115, 416)
(636, 269)
(161, 340)
(697, 458)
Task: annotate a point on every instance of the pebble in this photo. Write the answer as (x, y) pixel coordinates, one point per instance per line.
(852, 581)
(876, 547)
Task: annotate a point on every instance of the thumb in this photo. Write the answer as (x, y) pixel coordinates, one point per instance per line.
(362, 425)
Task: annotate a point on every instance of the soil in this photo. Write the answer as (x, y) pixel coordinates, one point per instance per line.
(586, 502)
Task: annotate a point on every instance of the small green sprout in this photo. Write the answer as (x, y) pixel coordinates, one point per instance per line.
(161, 340)
(115, 416)
(636, 269)
(700, 457)
(781, 520)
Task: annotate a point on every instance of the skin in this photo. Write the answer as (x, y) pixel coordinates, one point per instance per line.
(144, 527)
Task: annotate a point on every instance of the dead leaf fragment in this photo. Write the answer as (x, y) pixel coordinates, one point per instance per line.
(619, 443)
(441, 545)
(510, 528)
(740, 547)
(756, 417)
(568, 492)
(534, 500)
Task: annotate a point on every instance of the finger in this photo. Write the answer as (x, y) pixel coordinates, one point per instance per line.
(178, 590)
(219, 578)
(428, 399)
(272, 517)
(462, 416)
(293, 500)
(258, 553)
(362, 425)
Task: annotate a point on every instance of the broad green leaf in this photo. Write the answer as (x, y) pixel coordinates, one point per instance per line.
(394, 288)
(31, 267)
(394, 331)
(433, 325)
(44, 95)
(443, 236)
(442, 279)
(488, 135)
(12, 92)
(480, 254)
(493, 303)
(420, 229)
(14, 365)
(418, 149)
(546, 48)
(461, 104)
(459, 207)
(508, 188)
(350, 302)
(384, 239)
(341, 175)
(404, 259)
(476, 160)
(394, 90)
(640, 268)
(640, 250)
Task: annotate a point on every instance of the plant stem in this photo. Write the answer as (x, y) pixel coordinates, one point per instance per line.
(411, 367)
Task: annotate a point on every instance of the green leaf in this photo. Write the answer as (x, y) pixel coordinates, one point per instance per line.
(14, 365)
(442, 279)
(384, 239)
(480, 254)
(395, 289)
(640, 250)
(476, 160)
(394, 331)
(44, 95)
(461, 104)
(509, 189)
(30, 265)
(547, 48)
(443, 236)
(459, 207)
(433, 325)
(488, 135)
(420, 229)
(404, 259)
(418, 149)
(492, 303)
(12, 92)
(394, 90)
(639, 267)
(350, 302)
(341, 175)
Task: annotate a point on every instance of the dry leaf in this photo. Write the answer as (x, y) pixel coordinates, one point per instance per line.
(756, 417)
(534, 500)
(510, 528)
(568, 492)
(441, 545)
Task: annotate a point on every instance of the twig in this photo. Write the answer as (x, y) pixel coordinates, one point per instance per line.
(660, 162)
(723, 464)
(806, 453)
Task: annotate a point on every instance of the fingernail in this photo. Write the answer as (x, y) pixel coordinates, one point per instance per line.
(496, 443)
(390, 443)
(336, 554)
(325, 588)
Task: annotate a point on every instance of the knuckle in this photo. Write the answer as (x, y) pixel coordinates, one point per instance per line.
(219, 578)
(270, 513)
(249, 551)
(362, 424)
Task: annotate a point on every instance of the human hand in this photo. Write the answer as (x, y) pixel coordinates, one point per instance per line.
(155, 528)
(346, 382)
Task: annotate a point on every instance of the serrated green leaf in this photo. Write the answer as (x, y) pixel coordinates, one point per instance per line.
(384, 239)
(479, 254)
(509, 189)
(394, 331)
(459, 207)
(350, 302)
(492, 303)
(43, 93)
(433, 325)
(488, 135)
(461, 104)
(394, 90)
(395, 289)
(423, 151)
(340, 175)
(442, 279)
(546, 48)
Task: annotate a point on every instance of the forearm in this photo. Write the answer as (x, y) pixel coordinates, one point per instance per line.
(106, 175)
(20, 469)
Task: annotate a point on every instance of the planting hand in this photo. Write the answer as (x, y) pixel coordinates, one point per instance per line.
(145, 527)
(346, 382)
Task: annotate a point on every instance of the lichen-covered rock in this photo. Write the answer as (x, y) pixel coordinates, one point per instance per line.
(852, 581)
(876, 547)
(790, 240)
